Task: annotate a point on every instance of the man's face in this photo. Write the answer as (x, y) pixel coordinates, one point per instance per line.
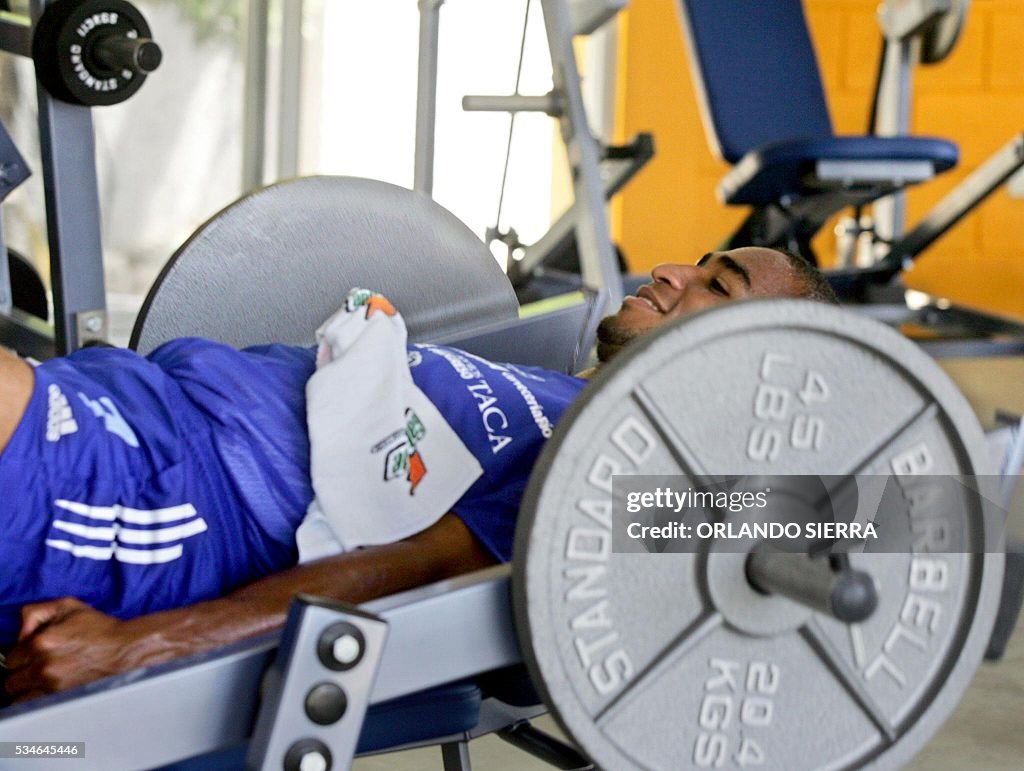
(677, 290)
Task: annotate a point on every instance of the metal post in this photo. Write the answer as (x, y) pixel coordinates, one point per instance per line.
(844, 593)
(598, 262)
(893, 119)
(550, 104)
(254, 113)
(599, 85)
(290, 113)
(67, 150)
(455, 756)
(426, 96)
(903, 25)
(6, 290)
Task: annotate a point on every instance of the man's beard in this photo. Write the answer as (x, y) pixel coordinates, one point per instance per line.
(612, 337)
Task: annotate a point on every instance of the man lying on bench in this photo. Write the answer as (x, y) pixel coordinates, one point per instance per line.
(136, 486)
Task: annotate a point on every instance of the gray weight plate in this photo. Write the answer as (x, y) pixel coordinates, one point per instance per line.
(672, 660)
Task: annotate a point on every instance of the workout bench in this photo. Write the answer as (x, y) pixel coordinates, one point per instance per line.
(765, 113)
(640, 655)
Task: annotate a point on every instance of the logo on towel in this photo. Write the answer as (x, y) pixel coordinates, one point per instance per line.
(373, 302)
(59, 419)
(402, 458)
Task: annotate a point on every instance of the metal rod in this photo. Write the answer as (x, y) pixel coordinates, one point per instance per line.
(845, 594)
(6, 290)
(889, 213)
(903, 25)
(961, 200)
(543, 746)
(289, 118)
(511, 133)
(513, 103)
(426, 96)
(598, 262)
(67, 149)
(254, 111)
(455, 756)
(615, 174)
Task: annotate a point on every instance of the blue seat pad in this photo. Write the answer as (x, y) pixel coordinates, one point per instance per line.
(780, 169)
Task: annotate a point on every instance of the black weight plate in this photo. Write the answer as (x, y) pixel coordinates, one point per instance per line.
(62, 43)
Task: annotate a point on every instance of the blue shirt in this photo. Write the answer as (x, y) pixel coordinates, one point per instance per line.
(503, 413)
(139, 484)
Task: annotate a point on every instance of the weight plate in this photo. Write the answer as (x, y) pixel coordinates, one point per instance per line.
(672, 660)
(64, 43)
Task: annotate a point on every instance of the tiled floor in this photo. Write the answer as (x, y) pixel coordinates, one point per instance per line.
(986, 731)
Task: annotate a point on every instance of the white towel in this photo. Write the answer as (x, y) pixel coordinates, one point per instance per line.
(384, 462)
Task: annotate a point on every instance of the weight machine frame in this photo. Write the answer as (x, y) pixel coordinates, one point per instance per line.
(587, 219)
(68, 153)
(907, 29)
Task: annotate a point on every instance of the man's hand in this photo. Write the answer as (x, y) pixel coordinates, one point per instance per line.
(64, 643)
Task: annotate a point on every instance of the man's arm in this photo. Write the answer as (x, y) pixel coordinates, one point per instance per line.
(65, 643)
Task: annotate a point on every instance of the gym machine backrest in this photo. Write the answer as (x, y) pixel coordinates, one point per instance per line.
(275, 264)
(272, 267)
(765, 112)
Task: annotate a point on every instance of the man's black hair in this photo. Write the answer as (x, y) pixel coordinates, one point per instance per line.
(816, 286)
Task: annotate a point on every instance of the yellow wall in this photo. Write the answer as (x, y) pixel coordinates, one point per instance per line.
(975, 98)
